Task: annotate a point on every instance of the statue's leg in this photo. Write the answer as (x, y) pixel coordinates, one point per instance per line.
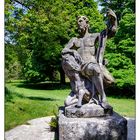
(71, 99)
(94, 98)
(99, 85)
(80, 97)
(108, 78)
(94, 71)
(98, 81)
(93, 89)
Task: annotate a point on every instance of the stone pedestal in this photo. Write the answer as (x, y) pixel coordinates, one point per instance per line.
(87, 111)
(108, 127)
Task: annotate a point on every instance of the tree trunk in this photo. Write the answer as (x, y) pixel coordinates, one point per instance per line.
(62, 76)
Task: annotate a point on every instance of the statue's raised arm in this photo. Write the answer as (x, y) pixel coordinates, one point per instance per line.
(105, 34)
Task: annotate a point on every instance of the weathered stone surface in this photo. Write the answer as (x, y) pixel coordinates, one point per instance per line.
(10, 135)
(98, 128)
(87, 111)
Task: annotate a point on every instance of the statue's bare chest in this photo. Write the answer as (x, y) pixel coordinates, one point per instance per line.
(88, 41)
(86, 47)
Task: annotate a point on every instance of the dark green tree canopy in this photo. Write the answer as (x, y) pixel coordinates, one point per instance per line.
(119, 6)
(36, 32)
(42, 28)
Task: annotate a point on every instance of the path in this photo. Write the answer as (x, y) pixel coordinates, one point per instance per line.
(36, 129)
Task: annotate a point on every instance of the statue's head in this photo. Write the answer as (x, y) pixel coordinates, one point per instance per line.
(83, 23)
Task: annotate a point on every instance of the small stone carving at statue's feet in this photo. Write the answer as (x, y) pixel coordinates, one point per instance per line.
(70, 106)
(93, 100)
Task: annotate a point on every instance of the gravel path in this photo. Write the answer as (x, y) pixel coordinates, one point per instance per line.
(38, 129)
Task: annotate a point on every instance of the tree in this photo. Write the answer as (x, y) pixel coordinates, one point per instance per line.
(120, 50)
(120, 7)
(12, 63)
(44, 28)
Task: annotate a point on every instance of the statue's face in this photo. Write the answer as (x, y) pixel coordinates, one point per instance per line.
(82, 22)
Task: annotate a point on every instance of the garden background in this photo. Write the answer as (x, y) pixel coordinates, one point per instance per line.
(35, 34)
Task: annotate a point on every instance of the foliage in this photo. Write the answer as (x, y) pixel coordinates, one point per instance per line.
(53, 123)
(120, 50)
(43, 28)
(12, 65)
(13, 52)
(120, 7)
(36, 32)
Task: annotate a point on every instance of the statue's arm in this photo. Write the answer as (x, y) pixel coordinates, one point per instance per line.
(96, 36)
(68, 47)
(105, 34)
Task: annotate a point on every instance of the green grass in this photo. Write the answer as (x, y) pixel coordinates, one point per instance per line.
(28, 102)
(123, 106)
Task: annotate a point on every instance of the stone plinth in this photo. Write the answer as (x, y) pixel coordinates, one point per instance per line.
(96, 128)
(87, 111)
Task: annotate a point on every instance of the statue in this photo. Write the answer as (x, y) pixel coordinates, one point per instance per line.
(87, 114)
(85, 65)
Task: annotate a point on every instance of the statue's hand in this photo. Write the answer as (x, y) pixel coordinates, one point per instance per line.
(77, 57)
(112, 22)
(111, 14)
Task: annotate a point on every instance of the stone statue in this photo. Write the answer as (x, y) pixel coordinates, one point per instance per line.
(86, 114)
(85, 65)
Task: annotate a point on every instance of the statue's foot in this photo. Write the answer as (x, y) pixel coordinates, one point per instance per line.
(71, 106)
(105, 105)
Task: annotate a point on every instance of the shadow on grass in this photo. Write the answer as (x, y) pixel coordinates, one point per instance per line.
(44, 86)
(34, 97)
(42, 98)
(126, 91)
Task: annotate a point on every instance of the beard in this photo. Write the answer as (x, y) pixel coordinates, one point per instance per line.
(82, 29)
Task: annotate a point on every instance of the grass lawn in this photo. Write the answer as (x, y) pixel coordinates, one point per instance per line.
(23, 103)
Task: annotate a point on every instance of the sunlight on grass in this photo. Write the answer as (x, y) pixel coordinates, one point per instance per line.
(125, 107)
